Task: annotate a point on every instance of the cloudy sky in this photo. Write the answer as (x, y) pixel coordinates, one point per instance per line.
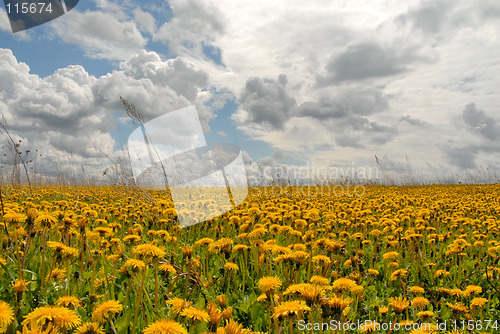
(330, 83)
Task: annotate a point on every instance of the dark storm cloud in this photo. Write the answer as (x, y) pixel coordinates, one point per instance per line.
(266, 101)
(479, 122)
(367, 60)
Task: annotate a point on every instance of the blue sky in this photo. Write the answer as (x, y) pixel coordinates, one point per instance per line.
(329, 84)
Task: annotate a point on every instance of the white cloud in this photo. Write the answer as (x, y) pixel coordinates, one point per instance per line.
(194, 23)
(68, 115)
(4, 21)
(5, 26)
(386, 77)
(100, 34)
(145, 20)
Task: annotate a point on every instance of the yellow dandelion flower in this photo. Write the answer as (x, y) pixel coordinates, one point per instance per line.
(165, 267)
(320, 280)
(478, 302)
(268, 284)
(90, 328)
(149, 252)
(14, 218)
(399, 304)
(187, 251)
(195, 314)
(399, 273)
(132, 238)
(165, 326)
(69, 302)
(343, 284)
(35, 329)
(60, 317)
(62, 250)
(69, 252)
(20, 285)
(357, 289)
(227, 313)
(214, 313)
(473, 289)
(339, 304)
(393, 265)
(6, 314)
(229, 266)
(458, 307)
(425, 314)
(391, 256)
(105, 310)
(56, 274)
(383, 310)
(441, 273)
(417, 290)
(232, 327)
(44, 221)
(204, 242)
(290, 309)
(310, 292)
(420, 302)
(134, 265)
(239, 248)
(263, 297)
(222, 300)
(178, 305)
(321, 260)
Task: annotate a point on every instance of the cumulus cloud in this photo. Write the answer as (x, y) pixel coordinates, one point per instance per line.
(265, 104)
(155, 86)
(182, 77)
(68, 115)
(145, 20)
(100, 34)
(265, 101)
(194, 24)
(55, 115)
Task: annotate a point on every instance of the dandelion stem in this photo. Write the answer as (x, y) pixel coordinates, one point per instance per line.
(156, 284)
(138, 302)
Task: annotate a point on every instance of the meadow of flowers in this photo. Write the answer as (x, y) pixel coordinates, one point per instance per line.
(114, 260)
